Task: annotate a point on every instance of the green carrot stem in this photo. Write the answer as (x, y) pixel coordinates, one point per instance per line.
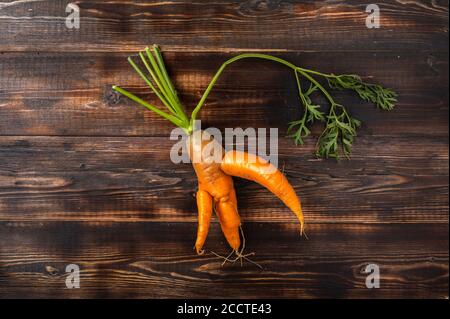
(170, 97)
(160, 78)
(300, 91)
(163, 69)
(171, 89)
(339, 124)
(222, 68)
(153, 108)
(325, 75)
(302, 71)
(150, 84)
(158, 83)
(319, 86)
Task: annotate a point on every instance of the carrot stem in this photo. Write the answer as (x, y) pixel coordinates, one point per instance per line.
(160, 61)
(150, 84)
(340, 126)
(164, 83)
(153, 108)
(222, 68)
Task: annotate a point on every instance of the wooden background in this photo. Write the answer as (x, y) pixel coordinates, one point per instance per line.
(85, 175)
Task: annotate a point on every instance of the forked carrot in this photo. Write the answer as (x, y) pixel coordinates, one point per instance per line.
(214, 171)
(206, 155)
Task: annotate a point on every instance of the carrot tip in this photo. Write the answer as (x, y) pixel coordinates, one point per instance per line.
(302, 231)
(199, 250)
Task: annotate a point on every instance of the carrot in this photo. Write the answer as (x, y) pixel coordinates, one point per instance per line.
(204, 204)
(206, 155)
(214, 173)
(229, 220)
(255, 168)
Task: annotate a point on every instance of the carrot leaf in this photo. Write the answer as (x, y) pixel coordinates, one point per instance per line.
(160, 84)
(340, 127)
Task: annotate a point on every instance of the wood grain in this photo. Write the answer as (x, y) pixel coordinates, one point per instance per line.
(85, 175)
(231, 25)
(143, 260)
(70, 94)
(120, 179)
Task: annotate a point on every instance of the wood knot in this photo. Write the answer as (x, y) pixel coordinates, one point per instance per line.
(110, 97)
(363, 269)
(253, 7)
(52, 271)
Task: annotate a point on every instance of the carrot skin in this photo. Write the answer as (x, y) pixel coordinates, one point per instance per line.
(230, 220)
(257, 169)
(217, 184)
(204, 205)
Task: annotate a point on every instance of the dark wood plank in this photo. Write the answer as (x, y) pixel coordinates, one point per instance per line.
(85, 175)
(388, 180)
(306, 25)
(142, 260)
(70, 94)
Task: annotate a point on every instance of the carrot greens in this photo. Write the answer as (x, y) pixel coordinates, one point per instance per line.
(159, 83)
(340, 127)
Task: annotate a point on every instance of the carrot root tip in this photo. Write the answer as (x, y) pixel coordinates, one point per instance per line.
(199, 250)
(302, 231)
(239, 254)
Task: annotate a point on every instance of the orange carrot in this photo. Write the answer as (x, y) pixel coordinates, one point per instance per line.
(255, 168)
(230, 221)
(214, 174)
(212, 180)
(204, 204)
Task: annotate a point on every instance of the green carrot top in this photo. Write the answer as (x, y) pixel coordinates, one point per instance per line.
(340, 128)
